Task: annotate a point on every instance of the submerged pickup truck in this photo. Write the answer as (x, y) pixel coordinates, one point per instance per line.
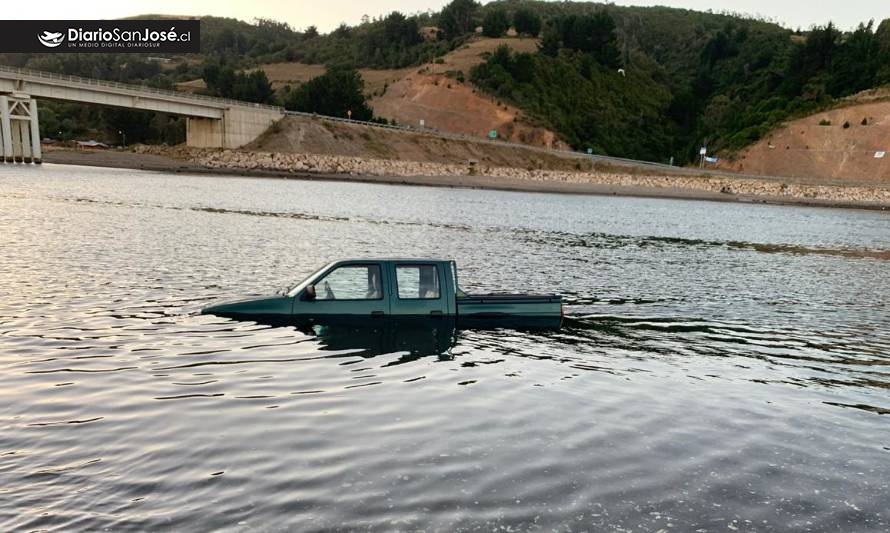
(359, 288)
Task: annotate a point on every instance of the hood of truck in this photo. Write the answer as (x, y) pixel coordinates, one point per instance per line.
(257, 306)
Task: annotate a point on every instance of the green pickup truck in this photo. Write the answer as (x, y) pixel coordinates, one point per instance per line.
(376, 288)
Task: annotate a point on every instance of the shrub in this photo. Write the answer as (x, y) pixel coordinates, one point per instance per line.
(526, 22)
(334, 93)
(825, 122)
(495, 23)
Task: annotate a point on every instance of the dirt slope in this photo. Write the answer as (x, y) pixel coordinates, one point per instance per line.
(316, 136)
(472, 52)
(446, 104)
(819, 146)
(433, 94)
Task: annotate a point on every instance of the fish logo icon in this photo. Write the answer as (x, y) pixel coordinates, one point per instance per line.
(50, 39)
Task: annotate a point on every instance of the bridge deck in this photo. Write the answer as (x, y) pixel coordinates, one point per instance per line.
(73, 88)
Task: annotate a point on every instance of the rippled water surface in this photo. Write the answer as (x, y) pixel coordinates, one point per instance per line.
(725, 367)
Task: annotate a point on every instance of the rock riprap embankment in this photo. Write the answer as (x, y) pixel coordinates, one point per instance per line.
(357, 166)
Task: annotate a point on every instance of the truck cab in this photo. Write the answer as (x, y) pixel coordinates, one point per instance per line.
(404, 287)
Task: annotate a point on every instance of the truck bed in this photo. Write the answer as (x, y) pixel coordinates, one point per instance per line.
(508, 305)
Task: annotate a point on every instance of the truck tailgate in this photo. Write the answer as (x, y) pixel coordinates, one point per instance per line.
(507, 305)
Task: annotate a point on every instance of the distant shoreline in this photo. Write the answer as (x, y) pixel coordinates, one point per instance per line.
(162, 163)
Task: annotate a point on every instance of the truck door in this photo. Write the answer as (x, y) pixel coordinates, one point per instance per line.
(419, 290)
(350, 290)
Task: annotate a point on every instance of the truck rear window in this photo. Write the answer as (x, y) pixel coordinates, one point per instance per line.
(418, 282)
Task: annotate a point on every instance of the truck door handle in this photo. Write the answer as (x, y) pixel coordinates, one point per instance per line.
(435, 313)
(377, 313)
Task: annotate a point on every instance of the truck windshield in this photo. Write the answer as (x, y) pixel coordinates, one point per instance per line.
(293, 290)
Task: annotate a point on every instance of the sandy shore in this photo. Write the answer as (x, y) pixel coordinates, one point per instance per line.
(686, 189)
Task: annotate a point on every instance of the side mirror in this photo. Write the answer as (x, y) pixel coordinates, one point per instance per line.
(309, 293)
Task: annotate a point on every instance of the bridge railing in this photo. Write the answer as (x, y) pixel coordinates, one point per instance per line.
(133, 87)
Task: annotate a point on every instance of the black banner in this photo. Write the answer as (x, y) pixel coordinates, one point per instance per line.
(101, 36)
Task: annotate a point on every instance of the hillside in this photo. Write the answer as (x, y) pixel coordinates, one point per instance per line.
(837, 144)
(296, 134)
(437, 93)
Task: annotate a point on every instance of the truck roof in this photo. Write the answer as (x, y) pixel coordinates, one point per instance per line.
(396, 260)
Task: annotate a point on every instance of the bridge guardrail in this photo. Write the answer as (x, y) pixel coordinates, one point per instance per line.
(133, 87)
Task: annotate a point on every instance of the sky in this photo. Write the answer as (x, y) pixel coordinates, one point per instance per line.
(330, 13)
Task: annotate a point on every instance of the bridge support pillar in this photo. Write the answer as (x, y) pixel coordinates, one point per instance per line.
(239, 126)
(19, 129)
(6, 129)
(36, 149)
(25, 135)
(17, 155)
(204, 132)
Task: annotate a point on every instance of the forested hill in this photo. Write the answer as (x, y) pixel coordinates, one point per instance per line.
(689, 78)
(645, 82)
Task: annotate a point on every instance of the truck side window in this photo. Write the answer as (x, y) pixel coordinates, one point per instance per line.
(418, 282)
(351, 282)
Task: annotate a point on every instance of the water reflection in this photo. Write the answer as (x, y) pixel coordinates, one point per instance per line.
(410, 337)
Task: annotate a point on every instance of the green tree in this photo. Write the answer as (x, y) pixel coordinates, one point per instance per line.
(399, 29)
(856, 62)
(252, 87)
(389, 43)
(526, 22)
(496, 23)
(49, 121)
(220, 79)
(810, 61)
(334, 94)
(593, 34)
(882, 35)
(458, 18)
(550, 42)
(225, 82)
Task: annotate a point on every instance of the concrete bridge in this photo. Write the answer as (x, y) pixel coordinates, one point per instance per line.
(211, 122)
